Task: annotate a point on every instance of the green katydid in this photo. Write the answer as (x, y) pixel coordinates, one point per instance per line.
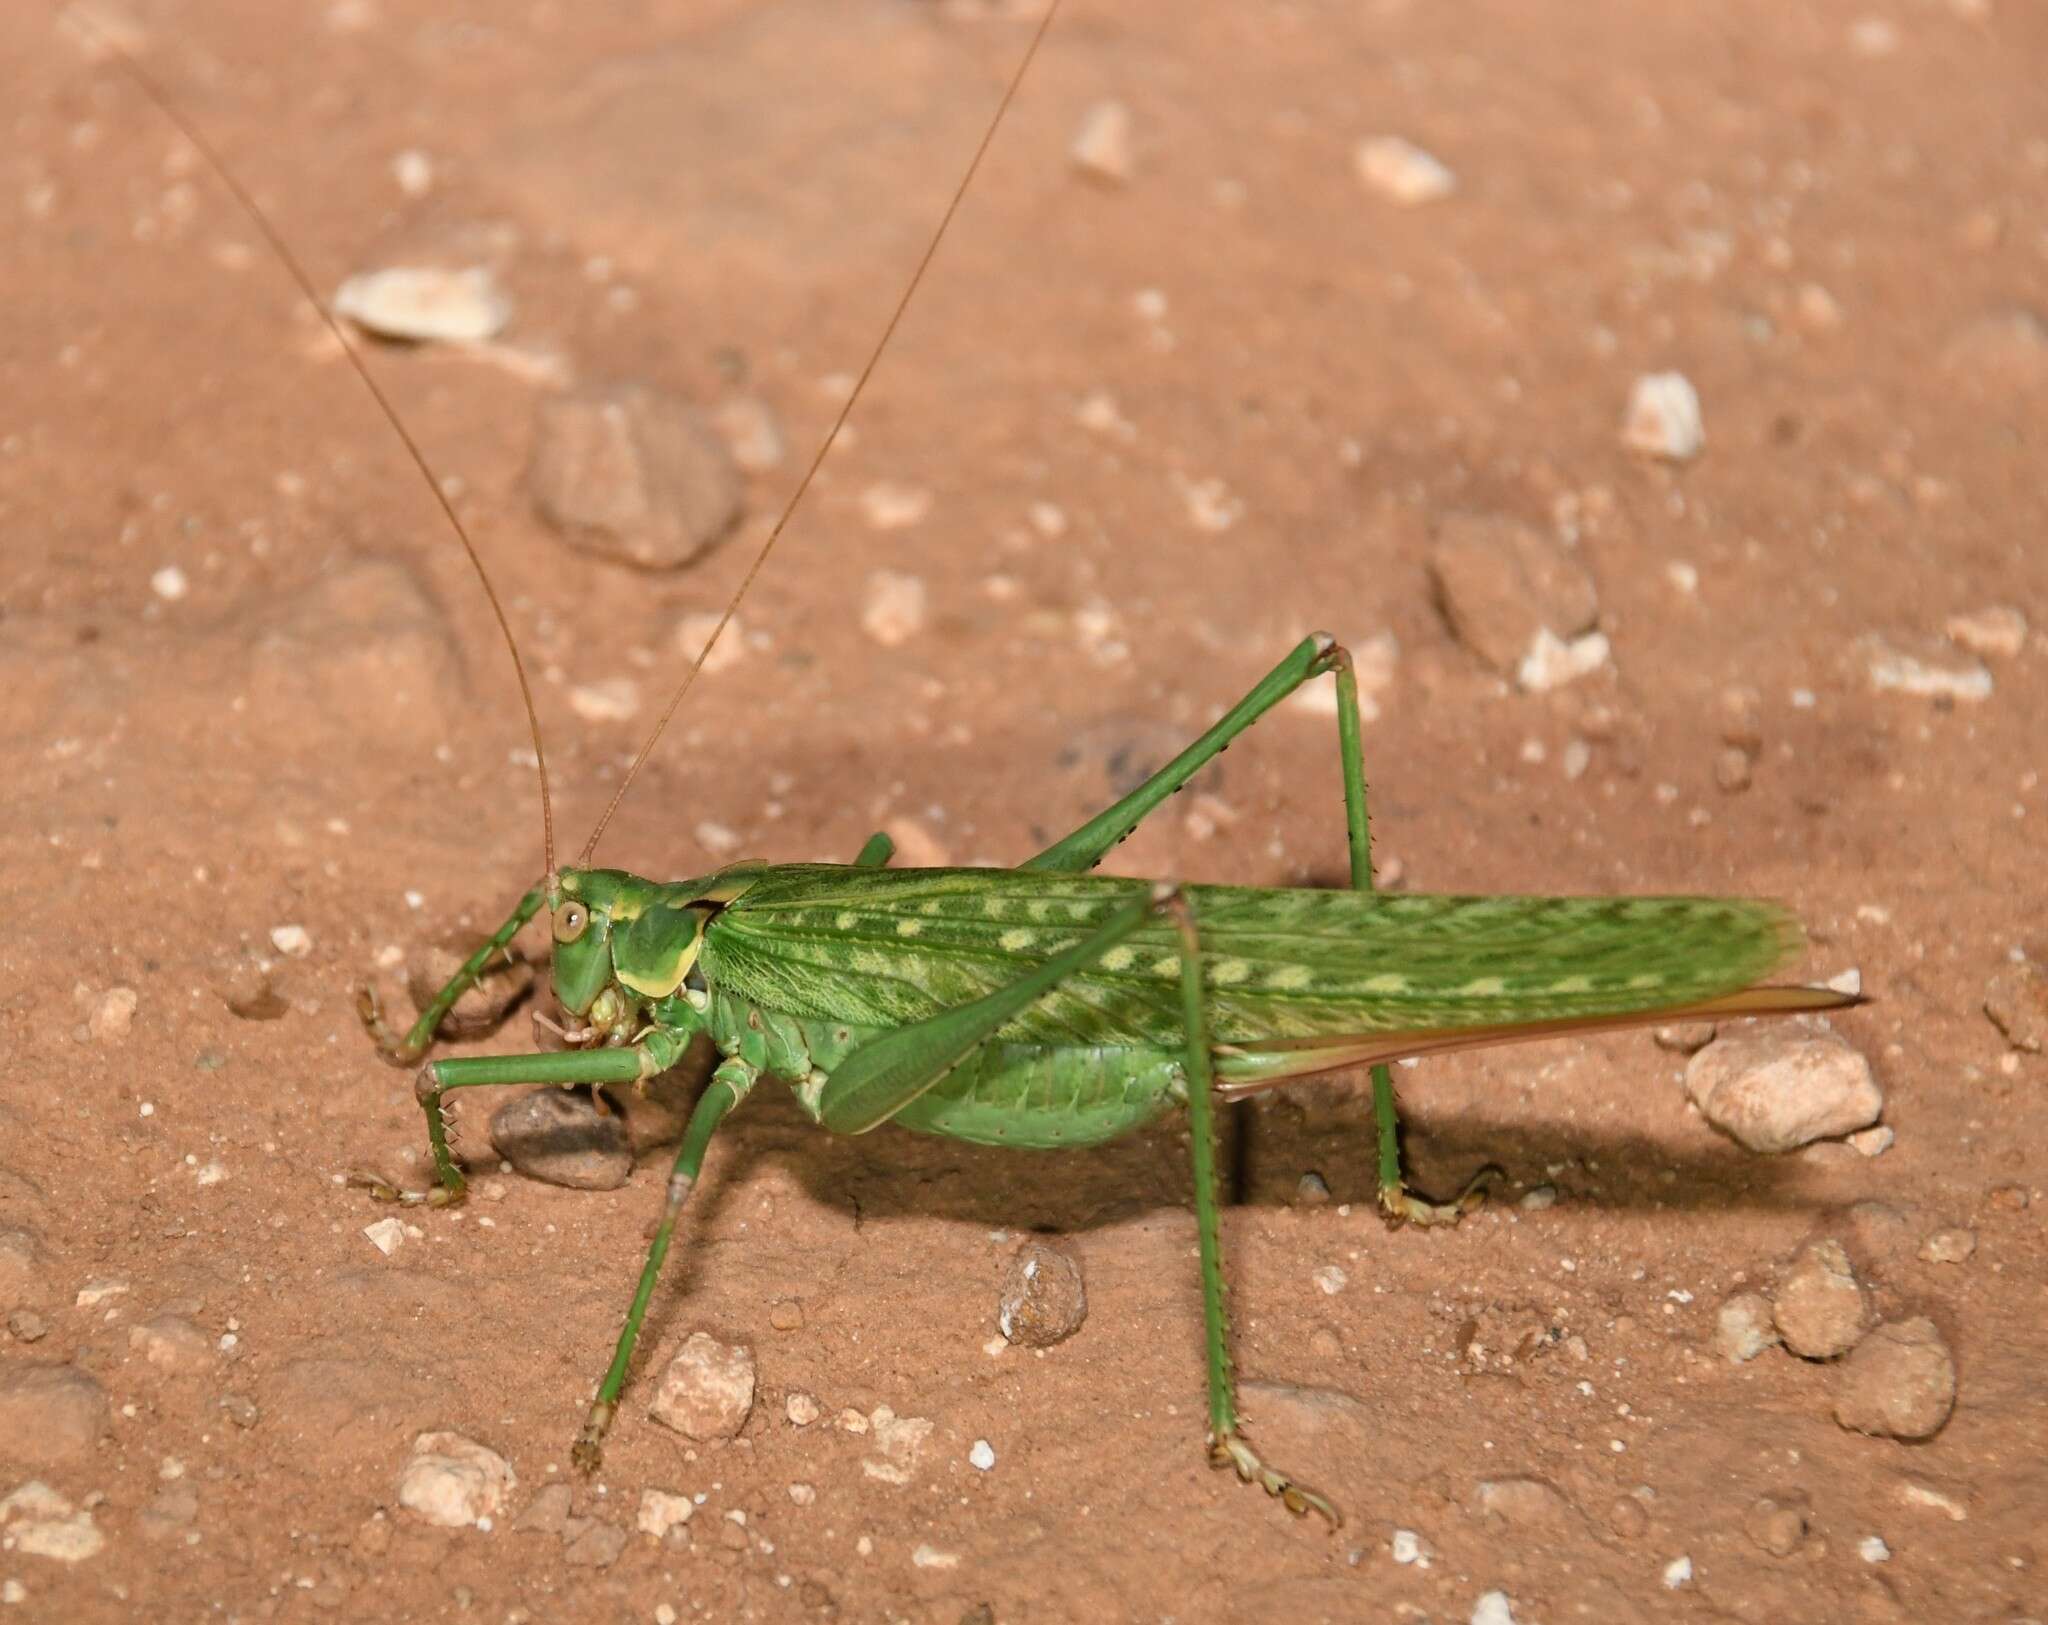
(1043, 1006)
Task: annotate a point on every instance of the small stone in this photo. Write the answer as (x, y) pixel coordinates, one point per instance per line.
(453, 1482)
(2017, 1003)
(425, 303)
(112, 1014)
(1900, 1383)
(894, 611)
(595, 1546)
(1778, 1089)
(609, 699)
(1872, 1142)
(1101, 148)
(1872, 1549)
(2000, 630)
(1663, 418)
(1678, 1573)
(1916, 1494)
(1775, 1527)
(1929, 670)
(99, 1290)
(293, 941)
(548, 1513)
(889, 506)
(706, 1389)
(1042, 1299)
(1493, 1608)
(50, 1413)
(26, 1326)
(1538, 1199)
(803, 1495)
(1406, 1547)
(1330, 1280)
(43, 1523)
(663, 1510)
(928, 1556)
(560, 1137)
(801, 1408)
(753, 433)
(900, 1441)
(982, 1456)
(386, 1235)
(1311, 1190)
(2008, 1198)
(1820, 1307)
(1743, 1328)
(169, 583)
(786, 1316)
(632, 476)
(1402, 172)
(1551, 662)
(1684, 1037)
(1627, 1517)
(1500, 582)
(1818, 309)
(171, 1343)
(1732, 770)
(1949, 1246)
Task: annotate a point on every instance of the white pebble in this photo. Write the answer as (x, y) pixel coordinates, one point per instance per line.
(386, 1235)
(455, 1483)
(1407, 1547)
(982, 1456)
(1677, 1573)
(930, 1557)
(423, 303)
(803, 1495)
(1401, 171)
(1893, 670)
(1330, 1279)
(1101, 147)
(1210, 504)
(1999, 630)
(295, 941)
(169, 583)
(716, 839)
(112, 1015)
(609, 699)
(1493, 1608)
(1663, 418)
(693, 631)
(1551, 662)
(895, 609)
(707, 1389)
(801, 1408)
(414, 172)
(1872, 1549)
(663, 1510)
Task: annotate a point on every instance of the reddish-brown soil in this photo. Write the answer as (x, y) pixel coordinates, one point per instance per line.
(717, 199)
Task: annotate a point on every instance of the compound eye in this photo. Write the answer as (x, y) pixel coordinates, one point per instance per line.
(571, 921)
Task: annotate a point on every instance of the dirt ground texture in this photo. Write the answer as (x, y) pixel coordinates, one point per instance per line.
(1135, 438)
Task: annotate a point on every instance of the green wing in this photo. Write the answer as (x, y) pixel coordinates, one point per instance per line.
(883, 947)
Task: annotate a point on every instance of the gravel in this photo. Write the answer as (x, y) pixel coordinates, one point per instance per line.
(706, 1389)
(1779, 1089)
(1042, 1298)
(1900, 1383)
(560, 1137)
(455, 1483)
(1819, 1306)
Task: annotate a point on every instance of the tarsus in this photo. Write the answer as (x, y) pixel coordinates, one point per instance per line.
(150, 88)
(931, 249)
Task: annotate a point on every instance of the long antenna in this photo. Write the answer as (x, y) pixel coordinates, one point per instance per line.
(99, 38)
(931, 250)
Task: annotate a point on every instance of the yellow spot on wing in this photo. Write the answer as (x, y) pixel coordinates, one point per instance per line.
(847, 920)
(1385, 983)
(909, 928)
(1166, 967)
(1483, 987)
(1225, 972)
(1573, 984)
(1120, 958)
(1289, 977)
(1647, 980)
(1019, 937)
